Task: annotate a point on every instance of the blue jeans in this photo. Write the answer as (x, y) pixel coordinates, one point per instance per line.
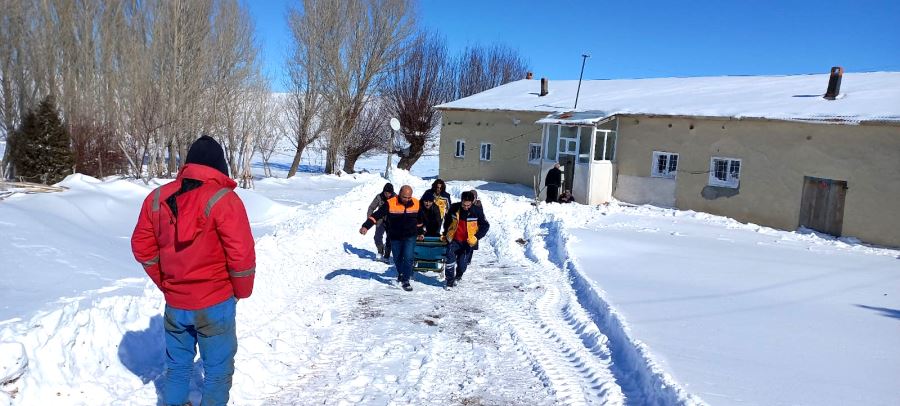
(458, 255)
(403, 248)
(213, 329)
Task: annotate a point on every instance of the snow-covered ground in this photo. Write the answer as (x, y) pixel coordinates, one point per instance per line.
(563, 305)
(742, 314)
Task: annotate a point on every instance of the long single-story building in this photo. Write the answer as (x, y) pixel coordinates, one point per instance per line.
(820, 151)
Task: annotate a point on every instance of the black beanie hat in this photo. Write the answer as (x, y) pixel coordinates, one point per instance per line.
(388, 187)
(206, 151)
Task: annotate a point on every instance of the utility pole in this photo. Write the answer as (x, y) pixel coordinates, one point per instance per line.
(584, 58)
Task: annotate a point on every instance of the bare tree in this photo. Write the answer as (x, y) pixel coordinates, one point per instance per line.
(253, 119)
(304, 102)
(140, 93)
(236, 85)
(370, 133)
(18, 82)
(354, 41)
(150, 75)
(420, 80)
(481, 68)
(181, 51)
(278, 126)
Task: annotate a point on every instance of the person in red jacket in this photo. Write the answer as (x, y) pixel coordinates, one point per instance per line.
(193, 239)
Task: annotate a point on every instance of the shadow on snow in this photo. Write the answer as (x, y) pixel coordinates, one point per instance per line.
(144, 353)
(359, 252)
(387, 277)
(884, 311)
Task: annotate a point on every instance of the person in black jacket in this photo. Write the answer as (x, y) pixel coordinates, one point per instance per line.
(438, 193)
(382, 239)
(430, 218)
(552, 182)
(402, 214)
(464, 225)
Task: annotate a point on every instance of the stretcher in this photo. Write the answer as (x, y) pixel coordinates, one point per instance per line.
(429, 254)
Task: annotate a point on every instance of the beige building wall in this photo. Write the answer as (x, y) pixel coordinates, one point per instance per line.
(775, 157)
(510, 134)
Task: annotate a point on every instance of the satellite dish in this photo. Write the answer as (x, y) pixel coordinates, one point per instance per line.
(395, 124)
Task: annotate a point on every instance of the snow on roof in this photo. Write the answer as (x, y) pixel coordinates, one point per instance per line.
(863, 97)
(590, 117)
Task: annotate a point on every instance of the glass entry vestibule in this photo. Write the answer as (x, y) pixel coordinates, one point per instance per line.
(584, 145)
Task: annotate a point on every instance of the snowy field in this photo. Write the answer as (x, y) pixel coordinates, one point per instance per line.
(564, 304)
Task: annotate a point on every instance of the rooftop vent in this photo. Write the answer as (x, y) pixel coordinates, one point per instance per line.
(544, 85)
(834, 83)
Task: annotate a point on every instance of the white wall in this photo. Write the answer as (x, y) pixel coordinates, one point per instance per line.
(646, 190)
(601, 187)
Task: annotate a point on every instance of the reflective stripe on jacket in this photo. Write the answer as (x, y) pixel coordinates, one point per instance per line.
(475, 222)
(402, 219)
(203, 255)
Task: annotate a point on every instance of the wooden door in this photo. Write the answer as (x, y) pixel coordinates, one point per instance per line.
(822, 204)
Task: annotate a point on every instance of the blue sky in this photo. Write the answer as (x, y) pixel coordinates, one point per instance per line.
(651, 38)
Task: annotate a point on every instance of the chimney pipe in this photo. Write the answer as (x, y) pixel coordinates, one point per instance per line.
(834, 83)
(529, 75)
(544, 85)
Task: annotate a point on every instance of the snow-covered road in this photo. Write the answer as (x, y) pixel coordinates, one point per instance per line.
(509, 334)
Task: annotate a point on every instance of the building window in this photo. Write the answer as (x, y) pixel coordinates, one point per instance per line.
(534, 152)
(552, 137)
(725, 172)
(585, 134)
(665, 165)
(460, 148)
(485, 151)
(604, 145)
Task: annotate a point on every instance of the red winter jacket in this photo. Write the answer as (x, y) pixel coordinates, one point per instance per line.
(204, 255)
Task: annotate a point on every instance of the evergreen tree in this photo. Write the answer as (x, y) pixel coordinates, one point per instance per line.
(42, 151)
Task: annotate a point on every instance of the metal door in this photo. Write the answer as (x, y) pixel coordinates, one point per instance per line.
(568, 163)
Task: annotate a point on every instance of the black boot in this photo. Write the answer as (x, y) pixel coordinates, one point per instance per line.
(450, 275)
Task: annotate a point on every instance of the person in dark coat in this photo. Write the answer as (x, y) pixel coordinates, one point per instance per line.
(194, 241)
(381, 243)
(464, 225)
(402, 214)
(438, 193)
(552, 182)
(430, 218)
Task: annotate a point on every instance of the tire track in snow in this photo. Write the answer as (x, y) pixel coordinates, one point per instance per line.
(642, 380)
(513, 332)
(566, 349)
(395, 356)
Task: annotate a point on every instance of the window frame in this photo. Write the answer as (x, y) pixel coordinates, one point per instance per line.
(731, 181)
(460, 152)
(607, 150)
(654, 165)
(489, 151)
(540, 150)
